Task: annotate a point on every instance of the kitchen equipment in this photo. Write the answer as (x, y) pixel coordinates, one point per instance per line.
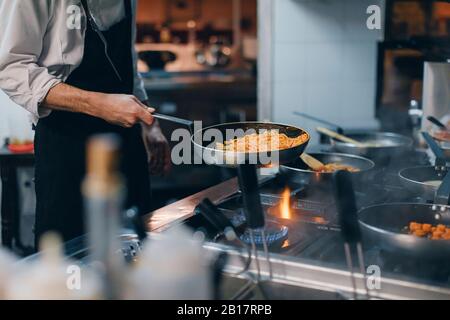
(436, 122)
(312, 162)
(299, 172)
(383, 146)
(348, 221)
(255, 217)
(210, 154)
(322, 121)
(340, 137)
(204, 145)
(385, 224)
(183, 122)
(424, 181)
(436, 91)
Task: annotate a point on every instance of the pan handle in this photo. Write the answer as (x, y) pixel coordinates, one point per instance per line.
(346, 206)
(443, 193)
(322, 121)
(440, 156)
(176, 120)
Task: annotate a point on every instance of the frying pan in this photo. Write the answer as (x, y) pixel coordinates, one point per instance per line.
(388, 145)
(395, 144)
(385, 224)
(417, 179)
(205, 141)
(204, 144)
(414, 180)
(299, 172)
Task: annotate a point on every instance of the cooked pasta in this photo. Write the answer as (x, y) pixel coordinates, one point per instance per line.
(269, 140)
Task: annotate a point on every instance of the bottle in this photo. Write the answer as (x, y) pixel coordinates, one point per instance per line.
(173, 266)
(51, 276)
(104, 194)
(7, 261)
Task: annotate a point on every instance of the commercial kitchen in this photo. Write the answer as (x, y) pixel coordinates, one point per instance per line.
(334, 184)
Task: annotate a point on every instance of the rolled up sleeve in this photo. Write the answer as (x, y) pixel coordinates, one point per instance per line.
(139, 89)
(23, 25)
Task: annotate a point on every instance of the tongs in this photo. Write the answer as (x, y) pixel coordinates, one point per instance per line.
(350, 230)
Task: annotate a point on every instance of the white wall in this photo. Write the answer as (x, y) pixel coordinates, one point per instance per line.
(323, 62)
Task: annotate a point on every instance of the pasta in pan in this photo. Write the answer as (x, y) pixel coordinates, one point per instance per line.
(269, 140)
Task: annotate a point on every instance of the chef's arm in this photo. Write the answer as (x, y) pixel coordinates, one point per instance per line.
(120, 109)
(33, 87)
(21, 77)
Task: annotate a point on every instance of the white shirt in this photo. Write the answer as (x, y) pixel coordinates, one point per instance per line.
(41, 44)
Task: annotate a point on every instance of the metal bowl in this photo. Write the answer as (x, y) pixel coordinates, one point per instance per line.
(413, 179)
(299, 172)
(390, 145)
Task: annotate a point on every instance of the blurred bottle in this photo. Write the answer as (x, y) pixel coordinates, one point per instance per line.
(7, 261)
(51, 277)
(104, 194)
(173, 267)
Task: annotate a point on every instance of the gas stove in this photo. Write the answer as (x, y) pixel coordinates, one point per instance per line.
(309, 217)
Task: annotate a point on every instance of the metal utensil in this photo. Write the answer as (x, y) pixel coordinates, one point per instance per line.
(183, 122)
(318, 120)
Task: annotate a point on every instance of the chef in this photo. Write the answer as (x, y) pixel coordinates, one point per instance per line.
(72, 65)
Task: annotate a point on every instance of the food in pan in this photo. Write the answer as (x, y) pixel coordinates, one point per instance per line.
(333, 167)
(442, 135)
(426, 230)
(269, 140)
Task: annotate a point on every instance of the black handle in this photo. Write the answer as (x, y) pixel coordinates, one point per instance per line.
(214, 216)
(443, 192)
(325, 122)
(437, 122)
(346, 206)
(438, 152)
(248, 182)
(136, 220)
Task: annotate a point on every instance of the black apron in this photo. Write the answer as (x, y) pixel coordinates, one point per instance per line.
(61, 138)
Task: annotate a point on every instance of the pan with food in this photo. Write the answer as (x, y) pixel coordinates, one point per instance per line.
(240, 143)
(414, 229)
(299, 171)
(258, 143)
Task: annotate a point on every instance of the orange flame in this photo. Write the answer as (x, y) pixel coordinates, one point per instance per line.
(285, 205)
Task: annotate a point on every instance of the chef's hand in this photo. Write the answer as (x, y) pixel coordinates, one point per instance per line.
(125, 110)
(158, 149)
